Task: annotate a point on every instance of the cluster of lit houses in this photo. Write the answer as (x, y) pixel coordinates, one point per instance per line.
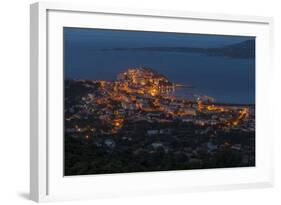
(143, 94)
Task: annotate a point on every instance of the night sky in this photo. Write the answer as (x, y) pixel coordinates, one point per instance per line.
(90, 54)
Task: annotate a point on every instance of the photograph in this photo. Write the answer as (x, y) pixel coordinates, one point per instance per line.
(146, 101)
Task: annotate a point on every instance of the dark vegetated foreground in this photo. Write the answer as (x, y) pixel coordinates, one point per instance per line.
(138, 152)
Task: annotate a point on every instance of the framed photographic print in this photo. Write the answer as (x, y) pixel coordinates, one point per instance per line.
(127, 102)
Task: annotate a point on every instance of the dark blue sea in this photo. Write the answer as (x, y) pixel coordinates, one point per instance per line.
(228, 80)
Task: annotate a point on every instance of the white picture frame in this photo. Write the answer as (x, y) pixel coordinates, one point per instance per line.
(47, 182)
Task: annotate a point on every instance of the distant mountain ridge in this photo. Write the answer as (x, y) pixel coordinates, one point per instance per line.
(245, 49)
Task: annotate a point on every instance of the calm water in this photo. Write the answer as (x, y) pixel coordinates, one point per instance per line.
(226, 79)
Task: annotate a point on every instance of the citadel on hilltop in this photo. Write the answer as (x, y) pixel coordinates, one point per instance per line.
(152, 81)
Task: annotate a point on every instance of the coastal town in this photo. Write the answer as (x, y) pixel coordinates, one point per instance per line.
(137, 123)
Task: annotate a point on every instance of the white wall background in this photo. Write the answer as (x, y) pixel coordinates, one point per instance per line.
(14, 103)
